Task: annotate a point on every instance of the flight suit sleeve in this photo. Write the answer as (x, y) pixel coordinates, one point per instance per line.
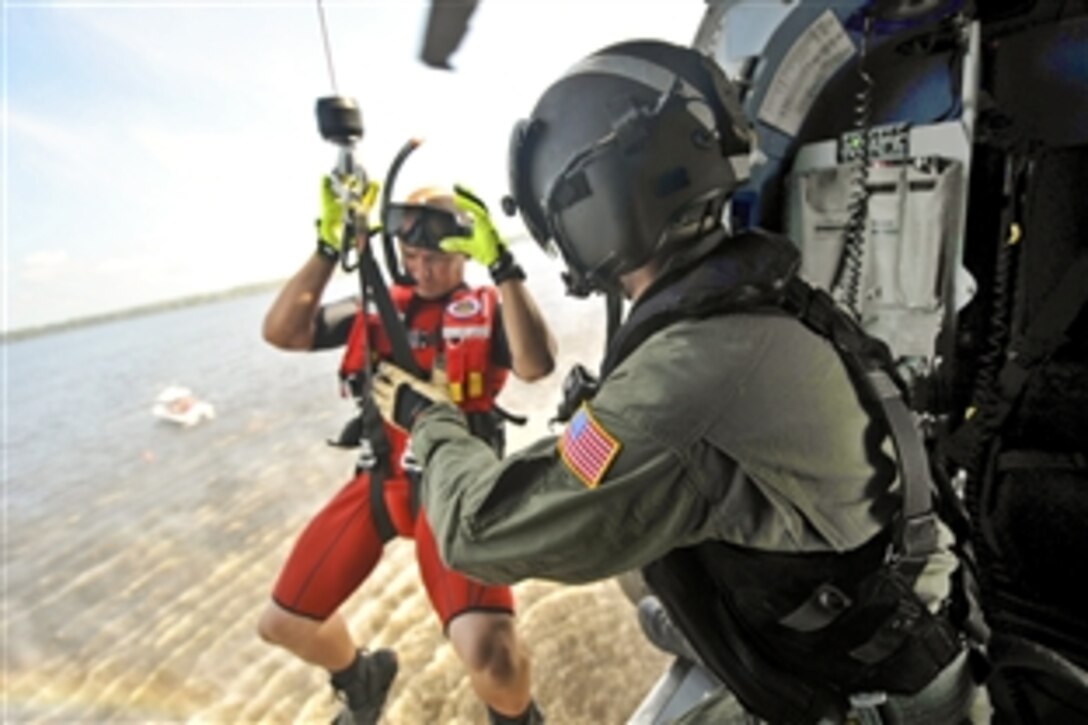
(545, 512)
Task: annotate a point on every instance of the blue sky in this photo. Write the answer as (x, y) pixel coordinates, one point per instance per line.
(158, 149)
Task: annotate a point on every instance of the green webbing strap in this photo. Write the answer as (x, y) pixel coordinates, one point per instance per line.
(919, 537)
(375, 464)
(871, 363)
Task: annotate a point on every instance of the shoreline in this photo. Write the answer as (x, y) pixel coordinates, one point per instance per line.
(152, 308)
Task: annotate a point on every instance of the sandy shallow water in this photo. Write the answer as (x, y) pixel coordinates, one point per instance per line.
(138, 556)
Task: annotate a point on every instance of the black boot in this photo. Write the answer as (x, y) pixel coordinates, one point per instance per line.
(363, 686)
(531, 716)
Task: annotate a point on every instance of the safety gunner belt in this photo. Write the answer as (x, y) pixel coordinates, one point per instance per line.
(759, 273)
(768, 263)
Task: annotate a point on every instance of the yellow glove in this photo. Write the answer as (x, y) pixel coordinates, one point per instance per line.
(330, 224)
(400, 396)
(485, 245)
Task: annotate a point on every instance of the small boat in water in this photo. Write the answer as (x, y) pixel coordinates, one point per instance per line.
(177, 404)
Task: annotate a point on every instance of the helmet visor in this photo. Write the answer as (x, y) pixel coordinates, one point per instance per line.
(521, 139)
(419, 225)
(587, 211)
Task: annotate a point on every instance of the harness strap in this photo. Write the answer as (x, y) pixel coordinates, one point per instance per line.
(372, 430)
(379, 512)
(919, 536)
(374, 460)
(870, 361)
(391, 322)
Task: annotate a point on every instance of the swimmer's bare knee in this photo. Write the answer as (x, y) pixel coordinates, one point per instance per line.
(487, 643)
(280, 627)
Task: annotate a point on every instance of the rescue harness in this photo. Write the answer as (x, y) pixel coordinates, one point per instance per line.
(454, 334)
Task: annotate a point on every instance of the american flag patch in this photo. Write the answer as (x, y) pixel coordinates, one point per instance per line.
(587, 448)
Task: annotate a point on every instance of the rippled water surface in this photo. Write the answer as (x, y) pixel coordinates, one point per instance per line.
(138, 554)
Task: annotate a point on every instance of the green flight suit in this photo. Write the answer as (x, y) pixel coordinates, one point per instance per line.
(743, 428)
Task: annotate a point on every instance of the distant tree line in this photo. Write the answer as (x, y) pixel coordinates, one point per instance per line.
(148, 309)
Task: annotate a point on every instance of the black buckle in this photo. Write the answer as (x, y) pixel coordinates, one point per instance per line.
(918, 539)
(579, 386)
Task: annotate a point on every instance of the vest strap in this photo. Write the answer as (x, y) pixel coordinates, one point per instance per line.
(870, 362)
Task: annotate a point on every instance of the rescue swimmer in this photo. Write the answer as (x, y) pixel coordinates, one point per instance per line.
(472, 337)
(742, 447)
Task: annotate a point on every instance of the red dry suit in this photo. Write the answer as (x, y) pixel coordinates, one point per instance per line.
(343, 543)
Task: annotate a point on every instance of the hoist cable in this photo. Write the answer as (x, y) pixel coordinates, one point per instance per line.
(328, 47)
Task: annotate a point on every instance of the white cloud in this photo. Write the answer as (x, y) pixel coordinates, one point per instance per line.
(55, 148)
(224, 46)
(123, 265)
(45, 259)
(46, 133)
(43, 266)
(172, 146)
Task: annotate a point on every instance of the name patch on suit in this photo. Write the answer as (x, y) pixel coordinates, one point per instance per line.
(587, 448)
(464, 308)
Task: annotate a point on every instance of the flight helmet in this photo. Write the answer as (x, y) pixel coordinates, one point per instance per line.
(634, 151)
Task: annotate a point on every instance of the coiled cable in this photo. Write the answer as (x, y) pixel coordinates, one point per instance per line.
(986, 394)
(846, 287)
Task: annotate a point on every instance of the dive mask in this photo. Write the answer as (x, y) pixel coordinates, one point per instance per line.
(420, 225)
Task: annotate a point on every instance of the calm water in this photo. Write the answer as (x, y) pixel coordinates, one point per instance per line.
(111, 513)
(90, 389)
(79, 403)
(138, 554)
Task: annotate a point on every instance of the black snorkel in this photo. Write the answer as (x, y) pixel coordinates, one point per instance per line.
(392, 261)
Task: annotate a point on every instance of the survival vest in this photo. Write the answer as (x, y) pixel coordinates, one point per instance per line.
(795, 635)
(456, 337)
